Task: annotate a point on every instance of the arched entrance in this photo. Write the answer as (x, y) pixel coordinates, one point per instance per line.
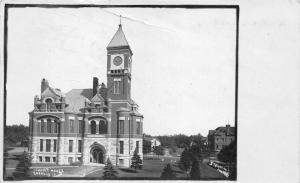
(97, 155)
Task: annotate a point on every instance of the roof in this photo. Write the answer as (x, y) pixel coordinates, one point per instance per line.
(119, 39)
(49, 91)
(135, 113)
(76, 99)
(97, 98)
(211, 132)
(57, 92)
(228, 130)
(132, 102)
(122, 109)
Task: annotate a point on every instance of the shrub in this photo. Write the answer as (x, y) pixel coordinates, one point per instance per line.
(168, 173)
(136, 161)
(109, 171)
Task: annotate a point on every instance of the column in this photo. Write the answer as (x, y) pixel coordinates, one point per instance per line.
(60, 143)
(85, 148)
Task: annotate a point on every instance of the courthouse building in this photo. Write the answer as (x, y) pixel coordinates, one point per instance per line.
(89, 125)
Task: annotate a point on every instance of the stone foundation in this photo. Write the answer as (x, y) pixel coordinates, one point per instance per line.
(109, 146)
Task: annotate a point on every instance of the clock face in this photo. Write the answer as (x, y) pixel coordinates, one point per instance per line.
(118, 60)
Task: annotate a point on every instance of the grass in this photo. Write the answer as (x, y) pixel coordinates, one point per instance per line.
(152, 169)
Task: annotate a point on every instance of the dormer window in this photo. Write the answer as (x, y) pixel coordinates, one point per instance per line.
(48, 104)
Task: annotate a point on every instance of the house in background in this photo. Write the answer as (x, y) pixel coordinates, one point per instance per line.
(220, 137)
(155, 142)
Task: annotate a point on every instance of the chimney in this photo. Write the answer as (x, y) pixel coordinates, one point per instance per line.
(227, 129)
(95, 85)
(44, 85)
(103, 91)
(36, 99)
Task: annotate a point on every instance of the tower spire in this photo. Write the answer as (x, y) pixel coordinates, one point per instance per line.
(120, 21)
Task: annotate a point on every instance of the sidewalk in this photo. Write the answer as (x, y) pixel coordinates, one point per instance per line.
(80, 171)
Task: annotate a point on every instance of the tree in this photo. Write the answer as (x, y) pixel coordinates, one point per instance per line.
(146, 146)
(136, 161)
(158, 150)
(185, 161)
(5, 155)
(196, 150)
(27, 163)
(16, 134)
(23, 168)
(195, 171)
(5, 158)
(228, 155)
(109, 171)
(168, 173)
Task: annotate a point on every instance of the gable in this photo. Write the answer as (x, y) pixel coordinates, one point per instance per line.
(97, 98)
(48, 93)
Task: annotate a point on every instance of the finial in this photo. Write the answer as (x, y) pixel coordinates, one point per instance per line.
(120, 21)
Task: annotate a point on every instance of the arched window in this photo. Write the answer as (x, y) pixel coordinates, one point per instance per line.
(48, 104)
(55, 126)
(93, 127)
(102, 127)
(48, 125)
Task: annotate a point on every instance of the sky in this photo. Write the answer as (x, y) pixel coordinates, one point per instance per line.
(183, 65)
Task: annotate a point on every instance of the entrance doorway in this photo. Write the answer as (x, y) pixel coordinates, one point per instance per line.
(97, 155)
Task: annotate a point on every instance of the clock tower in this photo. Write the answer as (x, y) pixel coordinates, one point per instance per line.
(119, 67)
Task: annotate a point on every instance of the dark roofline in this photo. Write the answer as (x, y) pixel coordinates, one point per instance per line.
(118, 48)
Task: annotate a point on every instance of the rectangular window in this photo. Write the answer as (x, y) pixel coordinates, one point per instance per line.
(79, 159)
(121, 126)
(137, 145)
(42, 126)
(41, 145)
(70, 145)
(48, 145)
(79, 146)
(54, 159)
(121, 147)
(49, 125)
(71, 126)
(117, 86)
(121, 162)
(138, 127)
(70, 160)
(47, 159)
(40, 158)
(80, 126)
(54, 145)
(55, 126)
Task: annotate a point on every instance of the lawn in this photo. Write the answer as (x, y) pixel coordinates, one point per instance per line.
(13, 159)
(152, 169)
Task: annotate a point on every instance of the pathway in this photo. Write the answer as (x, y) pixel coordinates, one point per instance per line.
(80, 171)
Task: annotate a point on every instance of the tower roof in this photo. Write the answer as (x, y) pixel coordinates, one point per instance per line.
(119, 39)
